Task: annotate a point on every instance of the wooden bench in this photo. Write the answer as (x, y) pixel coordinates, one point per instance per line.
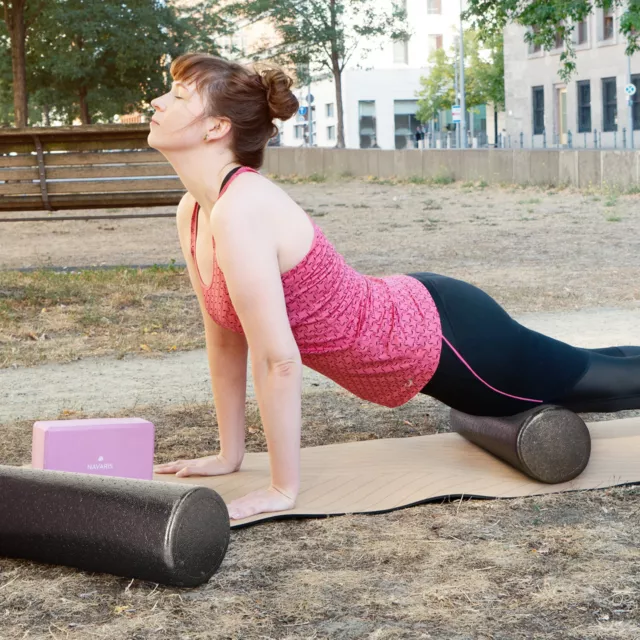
(83, 167)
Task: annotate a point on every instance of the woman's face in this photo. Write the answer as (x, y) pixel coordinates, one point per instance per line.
(174, 111)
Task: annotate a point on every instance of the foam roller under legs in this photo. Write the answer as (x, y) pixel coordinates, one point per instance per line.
(548, 443)
(164, 532)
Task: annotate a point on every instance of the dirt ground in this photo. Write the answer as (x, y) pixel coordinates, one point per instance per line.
(532, 249)
(554, 567)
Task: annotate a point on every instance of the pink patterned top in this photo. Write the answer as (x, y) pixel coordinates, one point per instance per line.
(379, 338)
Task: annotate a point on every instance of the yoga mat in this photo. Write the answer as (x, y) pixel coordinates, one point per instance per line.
(375, 476)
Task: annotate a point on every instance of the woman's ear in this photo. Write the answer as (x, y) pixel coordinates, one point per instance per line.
(218, 129)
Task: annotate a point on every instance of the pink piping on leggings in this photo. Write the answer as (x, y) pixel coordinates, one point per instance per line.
(466, 364)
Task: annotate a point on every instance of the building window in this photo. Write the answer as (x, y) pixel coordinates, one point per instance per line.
(329, 110)
(584, 106)
(534, 47)
(405, 122)
(609, 105)
(582, 32)
(434, 6)
(636, 102)
(367, 123)
(435, 42)
(401, 51)
(331, 133)
(298, 131)
(607, 25)
(558, 41)
(538, 110)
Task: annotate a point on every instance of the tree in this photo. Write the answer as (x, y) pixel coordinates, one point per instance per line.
(98, 58)
(484, 77)
(19, 16)
(547, 19)
(323, 35)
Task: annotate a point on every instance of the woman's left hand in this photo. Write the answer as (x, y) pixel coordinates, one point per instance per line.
(260, 501)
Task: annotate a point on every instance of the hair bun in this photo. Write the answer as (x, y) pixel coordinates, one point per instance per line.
(282, 103)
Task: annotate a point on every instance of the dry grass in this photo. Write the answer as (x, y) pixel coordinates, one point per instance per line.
(560, 566)
(533, 249)
(50, 316)
(554, 566)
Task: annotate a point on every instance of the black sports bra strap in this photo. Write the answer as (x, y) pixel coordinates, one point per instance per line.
(227, 178)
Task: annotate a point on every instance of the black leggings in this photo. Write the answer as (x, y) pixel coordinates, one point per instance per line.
(492, 365)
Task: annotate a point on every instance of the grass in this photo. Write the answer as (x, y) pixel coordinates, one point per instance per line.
(442, 570)
(50, 316)
(431, 205)
(545, 567)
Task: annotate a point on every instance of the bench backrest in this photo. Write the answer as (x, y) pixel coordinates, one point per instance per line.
(86, 167)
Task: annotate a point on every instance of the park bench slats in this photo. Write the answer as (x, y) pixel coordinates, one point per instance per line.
(100, 171)
(88, 201)
(104, 186)
(79, 168)
(70, 158)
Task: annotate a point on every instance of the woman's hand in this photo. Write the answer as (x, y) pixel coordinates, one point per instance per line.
(209, 466)
(261, 501)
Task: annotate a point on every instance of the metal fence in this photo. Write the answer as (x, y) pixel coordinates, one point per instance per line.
(595, 139)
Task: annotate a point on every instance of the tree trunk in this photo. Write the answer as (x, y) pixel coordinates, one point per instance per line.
(84, 107)
(14, 18)
(337, 74)
(47, 115)
(495, 124)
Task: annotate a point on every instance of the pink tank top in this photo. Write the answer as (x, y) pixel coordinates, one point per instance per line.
(379, 338)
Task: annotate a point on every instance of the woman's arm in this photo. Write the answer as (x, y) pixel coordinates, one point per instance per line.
(246, 251)
(227, 353)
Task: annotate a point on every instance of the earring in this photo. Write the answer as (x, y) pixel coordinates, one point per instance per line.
(206, 136)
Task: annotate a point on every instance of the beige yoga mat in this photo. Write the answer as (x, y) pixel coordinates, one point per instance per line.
(375, 476)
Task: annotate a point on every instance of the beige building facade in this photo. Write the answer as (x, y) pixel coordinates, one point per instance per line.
(592, 108)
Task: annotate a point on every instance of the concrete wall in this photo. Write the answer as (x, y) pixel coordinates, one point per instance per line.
(580, 168)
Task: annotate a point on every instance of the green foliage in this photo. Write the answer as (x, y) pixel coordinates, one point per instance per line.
(322, 33)
(484, 76)
(318, 37)
(547, 18)
(111, 55)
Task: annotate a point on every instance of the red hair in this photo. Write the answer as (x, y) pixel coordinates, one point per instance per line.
(249, 98)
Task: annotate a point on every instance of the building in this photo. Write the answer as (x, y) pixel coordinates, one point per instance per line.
(592, 108)
(379, 87)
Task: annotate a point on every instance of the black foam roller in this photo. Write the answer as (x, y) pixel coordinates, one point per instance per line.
(548, 443)
(170, 533)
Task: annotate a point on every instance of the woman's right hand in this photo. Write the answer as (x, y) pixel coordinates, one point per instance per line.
(209, 466)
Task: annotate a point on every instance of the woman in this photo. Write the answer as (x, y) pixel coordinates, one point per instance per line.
(269, 282)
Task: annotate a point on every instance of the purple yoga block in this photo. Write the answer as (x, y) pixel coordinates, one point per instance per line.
(121, 447)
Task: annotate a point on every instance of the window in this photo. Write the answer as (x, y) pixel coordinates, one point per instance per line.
(538, 110)
(367, 123)
(534, 48)
(298, 131)
(331, 133)
(609, 105)
(558, 41)
(582, 32)
(434, 6)
(329, 111)
(401, 51)
(405, 122)
(636, 102)
(584, 106)
(435, 42)
(607, 25)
